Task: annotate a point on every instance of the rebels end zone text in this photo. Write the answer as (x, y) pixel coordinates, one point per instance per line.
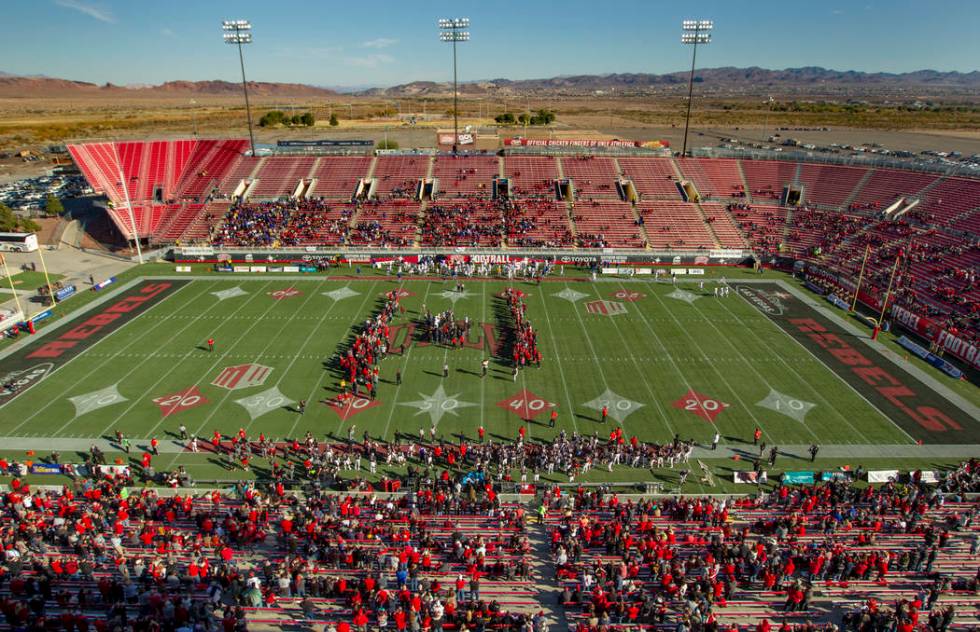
(24, 363)
(904, 399)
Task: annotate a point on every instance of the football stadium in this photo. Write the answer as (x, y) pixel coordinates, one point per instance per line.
(509, 383)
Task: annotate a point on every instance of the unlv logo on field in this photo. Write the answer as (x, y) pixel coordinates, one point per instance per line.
(606, 308)
(242, 376)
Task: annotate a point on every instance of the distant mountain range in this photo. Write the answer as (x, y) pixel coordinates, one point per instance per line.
(810, 80)
(731, 80)
(40, 86)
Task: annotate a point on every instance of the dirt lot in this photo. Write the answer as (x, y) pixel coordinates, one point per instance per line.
(38, 122)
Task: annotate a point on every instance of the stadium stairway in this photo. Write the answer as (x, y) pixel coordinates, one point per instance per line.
(745, 182)
(708, 225)
(857, 188)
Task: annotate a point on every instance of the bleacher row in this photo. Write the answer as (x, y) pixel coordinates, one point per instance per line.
(797, 556)
(163, 179)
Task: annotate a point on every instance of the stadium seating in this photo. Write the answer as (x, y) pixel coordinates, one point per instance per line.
(767, 178)
(399, 176)
(279, 178)
(829, 185)
(466, 175)
(336, 177)
(386, 223)
(592, 177)
(531, 175)
(886, 185)
(603, 223)
(460, 222)
(654, 178)
(713, 178)
(534, 223)
(675, 226)
(172, 185)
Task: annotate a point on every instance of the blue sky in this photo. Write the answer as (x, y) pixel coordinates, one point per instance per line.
(384, 42)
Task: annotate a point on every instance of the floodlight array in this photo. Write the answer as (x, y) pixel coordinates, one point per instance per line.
(696, 38)
(454, 23)
(698, 25)
(454, 36)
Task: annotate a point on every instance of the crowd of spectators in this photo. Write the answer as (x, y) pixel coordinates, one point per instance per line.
(281, 223)
(689, 561)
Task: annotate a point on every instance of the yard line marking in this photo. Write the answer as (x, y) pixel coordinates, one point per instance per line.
(344, 335)
(408, 355)
(721, 375)
(595, 357)
(646, 383)
(292, 361)
(561, 370)
(272, 339)
(839, 377)
(117, 354)
(175, 367)
(776, 355)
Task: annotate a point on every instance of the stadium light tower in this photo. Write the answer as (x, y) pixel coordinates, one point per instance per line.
(695, 32)
(239, 32)
(451, 30)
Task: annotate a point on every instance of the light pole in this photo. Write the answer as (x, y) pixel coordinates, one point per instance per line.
(765, 127)
(194, 115)
(451, 30)
(695, 32)
(239, 32)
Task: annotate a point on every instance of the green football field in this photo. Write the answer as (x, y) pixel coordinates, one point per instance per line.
(663, 359)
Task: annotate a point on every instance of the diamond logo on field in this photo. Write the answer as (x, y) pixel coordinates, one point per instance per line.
(242, 376)
(570, 295)
(438, 404)
(265, 402)
(180, 401)
(628, 295)
(786, 405)
(341, 293)
(619, 407)
(351, 406)
(526, 405)
(453, 295)
(702, 405)
(683, 295)
(229, 293)
(96, 399)
(289, 292)
(605, 308)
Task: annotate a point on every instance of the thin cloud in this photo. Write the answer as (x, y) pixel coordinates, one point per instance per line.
(380, 42)
(369, 61)
(96, 11)
(167, 32)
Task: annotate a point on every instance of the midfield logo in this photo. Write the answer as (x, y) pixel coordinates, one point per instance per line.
(606, 308)
(242, 376)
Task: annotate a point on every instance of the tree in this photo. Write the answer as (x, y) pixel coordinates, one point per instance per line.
(307, 119)
(505, 119)
(272, 118)
(333, 120)
(386, 144)
(11, 223)
(524, 118)
(53, 206)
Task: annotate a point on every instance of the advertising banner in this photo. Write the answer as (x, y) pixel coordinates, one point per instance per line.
(798, 478)
(882, 476)
(64, 292)
(101, 284)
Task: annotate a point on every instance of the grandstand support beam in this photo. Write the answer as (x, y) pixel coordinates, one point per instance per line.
(129, 206)
(239, 32)
(451, 30)
(695, 32)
